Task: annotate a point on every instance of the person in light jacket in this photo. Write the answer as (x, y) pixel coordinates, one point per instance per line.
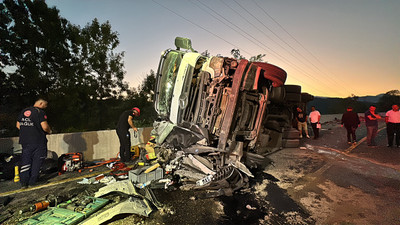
(315, 118)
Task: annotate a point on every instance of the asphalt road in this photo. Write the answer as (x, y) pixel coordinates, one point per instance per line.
(341, 184)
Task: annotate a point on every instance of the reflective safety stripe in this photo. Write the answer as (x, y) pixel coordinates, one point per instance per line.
(25, 168)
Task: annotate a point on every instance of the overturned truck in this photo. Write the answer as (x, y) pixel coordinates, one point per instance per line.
(235, 112)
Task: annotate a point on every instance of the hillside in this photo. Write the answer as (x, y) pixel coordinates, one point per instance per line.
(338, 105)
(370, 99)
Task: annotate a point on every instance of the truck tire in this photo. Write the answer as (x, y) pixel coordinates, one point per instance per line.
(277, 95)
(292, 97)
(283, 119)
(293, 89)
(291, 133)
(273, 125)
(290, 143)
(305, 97)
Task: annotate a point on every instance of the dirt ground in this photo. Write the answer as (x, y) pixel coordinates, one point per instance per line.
(326, 181)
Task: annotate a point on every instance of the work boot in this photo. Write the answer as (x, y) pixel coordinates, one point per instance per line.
(24, 186)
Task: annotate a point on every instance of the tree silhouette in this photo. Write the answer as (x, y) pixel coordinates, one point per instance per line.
(236, 54)
(76, 69)
(388, 99)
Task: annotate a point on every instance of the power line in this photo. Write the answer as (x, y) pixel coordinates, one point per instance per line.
(198, 26)
(226, 23)
(226, 40)
(251, 14)
(283, 58)
(245, 33)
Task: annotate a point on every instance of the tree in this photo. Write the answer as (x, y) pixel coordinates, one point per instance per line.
(143, 98)
(236, 54)
(257, 58)
(43, 55)
(102, 64)
(206, 53)
(33, 47)
(147, 87)
(388, 99)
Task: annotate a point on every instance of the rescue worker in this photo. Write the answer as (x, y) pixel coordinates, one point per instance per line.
(124, 123)
(33, 127)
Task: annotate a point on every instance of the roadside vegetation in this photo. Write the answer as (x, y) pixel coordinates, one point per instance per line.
(383, 102)
(77, 69)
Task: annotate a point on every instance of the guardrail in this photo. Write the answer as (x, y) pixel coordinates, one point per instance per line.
(94, 145)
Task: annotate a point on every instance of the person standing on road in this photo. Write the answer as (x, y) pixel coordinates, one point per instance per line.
(392, 120)
(350, 121)
(124, 123)
(33, 127)
(301, 118)
(371, 121)
(315, 118)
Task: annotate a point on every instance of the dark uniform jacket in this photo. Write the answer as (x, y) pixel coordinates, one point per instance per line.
(123, 125)
(31, 131)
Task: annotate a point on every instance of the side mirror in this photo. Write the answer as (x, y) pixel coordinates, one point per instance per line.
(184, 43)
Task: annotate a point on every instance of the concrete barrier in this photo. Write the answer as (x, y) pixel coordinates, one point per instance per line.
(94, 145)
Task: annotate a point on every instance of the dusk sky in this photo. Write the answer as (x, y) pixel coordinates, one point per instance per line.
(330, 48)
